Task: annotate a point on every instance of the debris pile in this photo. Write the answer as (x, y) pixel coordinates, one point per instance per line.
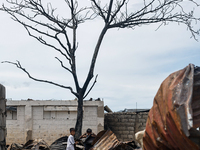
(15, 146)
(105, 140)
(37, 144)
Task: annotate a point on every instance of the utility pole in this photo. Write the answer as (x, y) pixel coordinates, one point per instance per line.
(136, 107)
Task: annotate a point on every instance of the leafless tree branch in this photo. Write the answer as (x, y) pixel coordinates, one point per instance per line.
(18, 65)
(91, 87)
(98, 10)
(36, 12)
(61, 63)
(153, 11)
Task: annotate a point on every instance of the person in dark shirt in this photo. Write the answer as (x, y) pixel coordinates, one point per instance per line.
(89, 138)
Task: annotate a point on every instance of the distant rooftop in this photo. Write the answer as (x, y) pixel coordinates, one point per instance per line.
(11, 108)
(134, 110)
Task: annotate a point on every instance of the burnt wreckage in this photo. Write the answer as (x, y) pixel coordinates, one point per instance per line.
(175, 116)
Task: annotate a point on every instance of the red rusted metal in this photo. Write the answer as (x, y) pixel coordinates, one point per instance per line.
(107, 140)
(175, 112)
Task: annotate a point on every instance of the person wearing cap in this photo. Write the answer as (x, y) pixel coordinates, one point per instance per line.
(89, 138)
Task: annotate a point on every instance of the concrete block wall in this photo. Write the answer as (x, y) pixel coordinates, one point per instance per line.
(15, 128)
(50, 120)
(50, 129)
(125, 125)
(89, 119)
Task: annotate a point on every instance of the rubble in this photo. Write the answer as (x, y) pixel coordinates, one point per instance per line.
(15, 146)
(175, 115)
(105, 140)
(37, 144)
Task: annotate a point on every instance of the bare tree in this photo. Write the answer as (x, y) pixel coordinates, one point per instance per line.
(42, 23)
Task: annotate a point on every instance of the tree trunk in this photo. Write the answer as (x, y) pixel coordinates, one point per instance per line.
(79, 120)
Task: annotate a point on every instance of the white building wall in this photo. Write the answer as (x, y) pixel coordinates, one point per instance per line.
(90, 118)
(51, 128)
(15, 128)
(50, 120)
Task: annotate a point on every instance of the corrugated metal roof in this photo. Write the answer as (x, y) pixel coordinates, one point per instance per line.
(175, 112)
(136, 110)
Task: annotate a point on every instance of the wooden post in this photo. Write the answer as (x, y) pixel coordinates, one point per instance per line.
(2, 118)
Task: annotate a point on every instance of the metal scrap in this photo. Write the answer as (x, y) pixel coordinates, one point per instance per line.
(15, 146)
(37, 144)
(107, 109)
(59, 144)
(175, 115)
(107, 140)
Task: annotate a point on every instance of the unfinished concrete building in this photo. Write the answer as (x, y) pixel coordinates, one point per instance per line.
(49, 120)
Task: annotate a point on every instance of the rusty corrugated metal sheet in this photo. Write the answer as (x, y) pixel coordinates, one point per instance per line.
(175, 112)
(107, 140)
(196, 98)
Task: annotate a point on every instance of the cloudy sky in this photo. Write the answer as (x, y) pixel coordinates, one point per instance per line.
(131, 64)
